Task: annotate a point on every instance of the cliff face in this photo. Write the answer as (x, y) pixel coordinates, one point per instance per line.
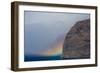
(77, 41)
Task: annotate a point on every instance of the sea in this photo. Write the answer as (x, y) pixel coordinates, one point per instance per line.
(41, 58)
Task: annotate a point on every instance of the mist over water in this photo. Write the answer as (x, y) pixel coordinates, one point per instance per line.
(44, 33)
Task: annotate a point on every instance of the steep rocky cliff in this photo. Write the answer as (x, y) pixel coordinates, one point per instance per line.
(77, 41)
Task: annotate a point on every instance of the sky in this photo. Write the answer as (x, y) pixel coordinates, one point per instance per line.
(44, 32)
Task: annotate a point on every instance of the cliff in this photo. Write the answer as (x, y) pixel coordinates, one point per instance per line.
(77, 41)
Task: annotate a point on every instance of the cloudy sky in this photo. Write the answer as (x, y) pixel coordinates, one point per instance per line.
(43, 30)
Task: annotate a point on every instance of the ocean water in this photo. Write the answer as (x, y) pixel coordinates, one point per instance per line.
(41, 58)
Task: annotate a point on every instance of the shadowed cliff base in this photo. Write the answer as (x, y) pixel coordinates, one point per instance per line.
(77, 41)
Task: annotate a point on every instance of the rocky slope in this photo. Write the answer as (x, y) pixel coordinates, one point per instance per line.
(77, 41)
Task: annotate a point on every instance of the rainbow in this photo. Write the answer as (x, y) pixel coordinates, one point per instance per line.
(56, 50)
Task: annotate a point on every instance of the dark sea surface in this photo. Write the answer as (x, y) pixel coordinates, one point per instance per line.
(41, 58)
(49, 58)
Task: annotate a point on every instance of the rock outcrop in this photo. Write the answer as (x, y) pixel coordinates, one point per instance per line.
(77, 41)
